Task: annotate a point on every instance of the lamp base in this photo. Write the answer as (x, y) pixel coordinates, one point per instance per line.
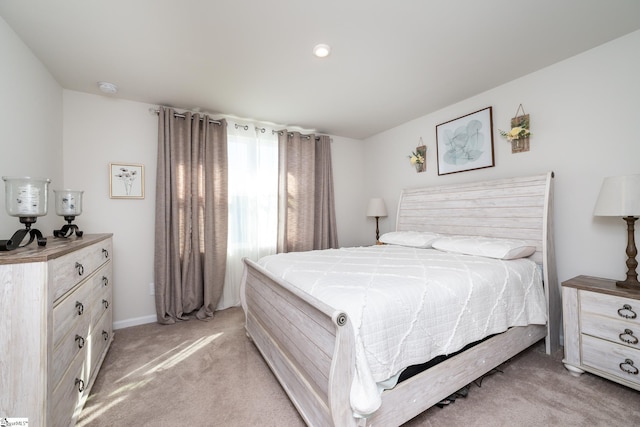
(629, 284)
(631, 281)
(68, 229)
(19, 236)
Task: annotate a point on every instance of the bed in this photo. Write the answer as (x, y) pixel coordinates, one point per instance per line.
(312, 348)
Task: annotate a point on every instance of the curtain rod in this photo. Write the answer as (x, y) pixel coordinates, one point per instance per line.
(183, 116)
(246, 127)
(273, 131)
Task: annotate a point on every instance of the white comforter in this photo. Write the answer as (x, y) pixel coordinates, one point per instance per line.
(409, 305)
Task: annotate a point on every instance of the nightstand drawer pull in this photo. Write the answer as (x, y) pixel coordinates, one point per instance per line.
(105, 280)
(80, 308)
(80, 341)
(80, 385)
(628, 333)
(80, 268)
(630, 314)
(631, 370)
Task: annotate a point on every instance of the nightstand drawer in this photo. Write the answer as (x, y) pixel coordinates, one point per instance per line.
(614, 330)
(616, 360)
(611, 306)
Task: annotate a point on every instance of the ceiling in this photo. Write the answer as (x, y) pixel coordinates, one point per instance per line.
(391, 61)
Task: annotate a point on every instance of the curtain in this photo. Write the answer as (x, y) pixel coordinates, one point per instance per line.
(306, 209)
(191, 216)
(253, 202)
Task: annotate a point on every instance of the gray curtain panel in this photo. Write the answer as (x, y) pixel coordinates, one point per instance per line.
(191, 215)
(306, 209)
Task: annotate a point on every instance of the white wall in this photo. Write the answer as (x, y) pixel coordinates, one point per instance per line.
(584, 116)
(30, 125)
(99, 130)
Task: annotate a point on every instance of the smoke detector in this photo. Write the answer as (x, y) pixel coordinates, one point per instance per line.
(107, 87)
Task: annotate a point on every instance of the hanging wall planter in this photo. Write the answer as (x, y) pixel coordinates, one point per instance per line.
(418, 158)
(519, 133)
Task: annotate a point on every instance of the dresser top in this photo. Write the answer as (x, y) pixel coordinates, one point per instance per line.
(56, 247)
(597, 284)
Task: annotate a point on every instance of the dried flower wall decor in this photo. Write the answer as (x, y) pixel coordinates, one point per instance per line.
(519, 133)
(418, 158)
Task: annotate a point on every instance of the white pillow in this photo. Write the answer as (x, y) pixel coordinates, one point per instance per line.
(485, 246)
(414, 239)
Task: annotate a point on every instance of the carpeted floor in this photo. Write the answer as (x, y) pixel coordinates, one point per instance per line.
(210, 374)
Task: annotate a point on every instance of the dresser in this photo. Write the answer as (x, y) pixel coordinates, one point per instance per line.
(55, 326)
(601, 329)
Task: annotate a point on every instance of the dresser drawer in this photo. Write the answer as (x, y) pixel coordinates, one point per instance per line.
(611, 306)
(72, 314)
(101, 337)
(71, 344)
(102, 295)
(69, 393)
(616, 360)
(617, 331)
(70, 269)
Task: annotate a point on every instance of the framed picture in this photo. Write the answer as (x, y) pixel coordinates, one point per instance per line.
(465, 143)
(126, 181)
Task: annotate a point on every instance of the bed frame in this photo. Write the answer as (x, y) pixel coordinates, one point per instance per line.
(309, 346)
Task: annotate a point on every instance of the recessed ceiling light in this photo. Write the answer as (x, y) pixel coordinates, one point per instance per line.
(321, 50)
(107, 87)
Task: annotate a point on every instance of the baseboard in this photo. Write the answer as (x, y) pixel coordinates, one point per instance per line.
(134, 322)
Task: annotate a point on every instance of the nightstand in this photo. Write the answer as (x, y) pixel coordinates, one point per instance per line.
(601, 329)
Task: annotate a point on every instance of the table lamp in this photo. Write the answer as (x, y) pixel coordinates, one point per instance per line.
(620, 196)
(377, 209)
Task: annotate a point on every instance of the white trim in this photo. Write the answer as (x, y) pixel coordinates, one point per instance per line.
(121, 324)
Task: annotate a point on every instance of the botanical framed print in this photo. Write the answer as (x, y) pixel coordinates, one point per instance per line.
(126, 181)
(465, 143)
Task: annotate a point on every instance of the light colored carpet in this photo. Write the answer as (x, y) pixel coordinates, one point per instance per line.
(210, 374)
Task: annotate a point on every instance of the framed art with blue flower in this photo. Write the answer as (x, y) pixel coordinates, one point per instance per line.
(465, 143)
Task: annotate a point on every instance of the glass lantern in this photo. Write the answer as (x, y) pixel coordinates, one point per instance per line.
(25, 198)
(68, 205)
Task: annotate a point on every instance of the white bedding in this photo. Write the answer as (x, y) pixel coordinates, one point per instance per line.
(410, 305)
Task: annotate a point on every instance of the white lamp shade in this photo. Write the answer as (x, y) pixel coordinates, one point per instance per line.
(619, 196)
(376, 207)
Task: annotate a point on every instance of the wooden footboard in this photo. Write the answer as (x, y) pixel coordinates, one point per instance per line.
(308, 345)
(310, 348)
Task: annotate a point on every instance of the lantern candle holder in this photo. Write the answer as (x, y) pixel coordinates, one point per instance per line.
(25, 198)
(68, 205)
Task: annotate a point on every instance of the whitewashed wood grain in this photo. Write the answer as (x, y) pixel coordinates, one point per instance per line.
(299, 336)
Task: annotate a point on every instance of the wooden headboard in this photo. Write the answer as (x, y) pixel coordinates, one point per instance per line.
(517, 208)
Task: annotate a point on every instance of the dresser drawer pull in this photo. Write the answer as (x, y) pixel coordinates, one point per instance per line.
(105, 335)
(80, 269)
(80, 341)
(631, 370)
(80, 308)
(627, 308)
(105, 281)
(628, 333)
(105, 253)
(105, 303)
(80, 384)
